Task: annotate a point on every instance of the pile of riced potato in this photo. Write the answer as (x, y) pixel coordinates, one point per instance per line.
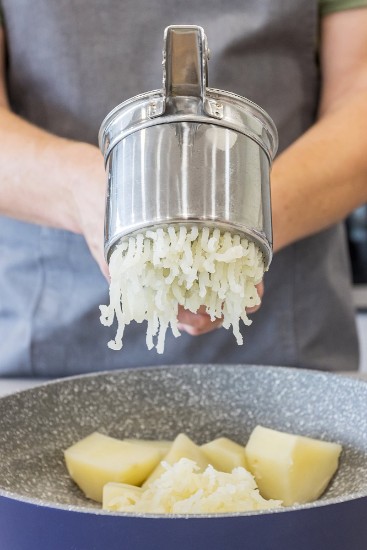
(222, 476)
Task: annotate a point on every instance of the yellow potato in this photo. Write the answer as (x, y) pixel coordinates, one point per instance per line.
(182, 447)
(117, 494)
(161, 445)
(98, 459)
(291, 468)
(224, 454)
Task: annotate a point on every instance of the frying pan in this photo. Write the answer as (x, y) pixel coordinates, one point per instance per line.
(41, 508)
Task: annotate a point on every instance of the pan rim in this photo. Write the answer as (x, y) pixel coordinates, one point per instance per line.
(345, 499)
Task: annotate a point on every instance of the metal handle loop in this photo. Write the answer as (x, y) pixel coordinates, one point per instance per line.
(185, 58)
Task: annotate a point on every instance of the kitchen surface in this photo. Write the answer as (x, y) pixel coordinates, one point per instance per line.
(362, 334)
(360, 302)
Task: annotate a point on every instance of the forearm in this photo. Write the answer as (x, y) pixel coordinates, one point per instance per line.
(323, 176)
(52, 181)
(38, 171)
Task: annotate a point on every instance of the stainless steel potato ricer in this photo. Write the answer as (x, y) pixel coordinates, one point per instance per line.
(188, 154)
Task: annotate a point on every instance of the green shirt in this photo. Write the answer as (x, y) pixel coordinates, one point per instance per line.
(331, 6)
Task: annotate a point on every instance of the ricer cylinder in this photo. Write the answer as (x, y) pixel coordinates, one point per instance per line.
(188, 154)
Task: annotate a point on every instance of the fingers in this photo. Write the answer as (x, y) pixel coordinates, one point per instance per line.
(96, 248)
(200, 322)
(99, 255)
(105, 271)
(89, 202)
(260, 291)
(196, 323)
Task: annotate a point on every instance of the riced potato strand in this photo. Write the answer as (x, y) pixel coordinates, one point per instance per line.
(154, 272)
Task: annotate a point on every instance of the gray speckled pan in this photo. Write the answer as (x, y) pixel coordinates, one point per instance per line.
(205, 402)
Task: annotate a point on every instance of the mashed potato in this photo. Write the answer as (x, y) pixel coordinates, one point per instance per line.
(182, 489)
(155, 272)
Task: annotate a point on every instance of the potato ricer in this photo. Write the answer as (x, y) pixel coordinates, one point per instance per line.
(188, 154)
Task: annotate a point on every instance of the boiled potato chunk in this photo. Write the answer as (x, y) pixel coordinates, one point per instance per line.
(115, 494)
(162, 445)
(98, 459)
(224, 454)
(291, 468)
(182, 447)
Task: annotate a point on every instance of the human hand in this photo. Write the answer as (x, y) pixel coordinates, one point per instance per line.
(200, 323)
(88, 194)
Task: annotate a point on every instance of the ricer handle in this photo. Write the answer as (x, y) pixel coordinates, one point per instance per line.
(185, 58)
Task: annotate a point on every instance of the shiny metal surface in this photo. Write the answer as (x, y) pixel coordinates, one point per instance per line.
(185, 57)
(139, 112)
(188, 154)
(188, 173)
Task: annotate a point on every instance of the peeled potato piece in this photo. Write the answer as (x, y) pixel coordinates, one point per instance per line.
(117, 495)
(161, 445)
(98, 459)
(182, 447)
(291, 468)
(224, 454)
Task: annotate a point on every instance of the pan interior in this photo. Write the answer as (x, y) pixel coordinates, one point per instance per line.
(205, 402)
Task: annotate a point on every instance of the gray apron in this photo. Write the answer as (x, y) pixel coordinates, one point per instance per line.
(69, 63)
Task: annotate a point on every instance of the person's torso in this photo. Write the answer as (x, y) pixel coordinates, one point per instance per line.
(69, 63)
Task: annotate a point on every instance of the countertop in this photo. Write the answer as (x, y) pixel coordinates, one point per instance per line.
(12, 385)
